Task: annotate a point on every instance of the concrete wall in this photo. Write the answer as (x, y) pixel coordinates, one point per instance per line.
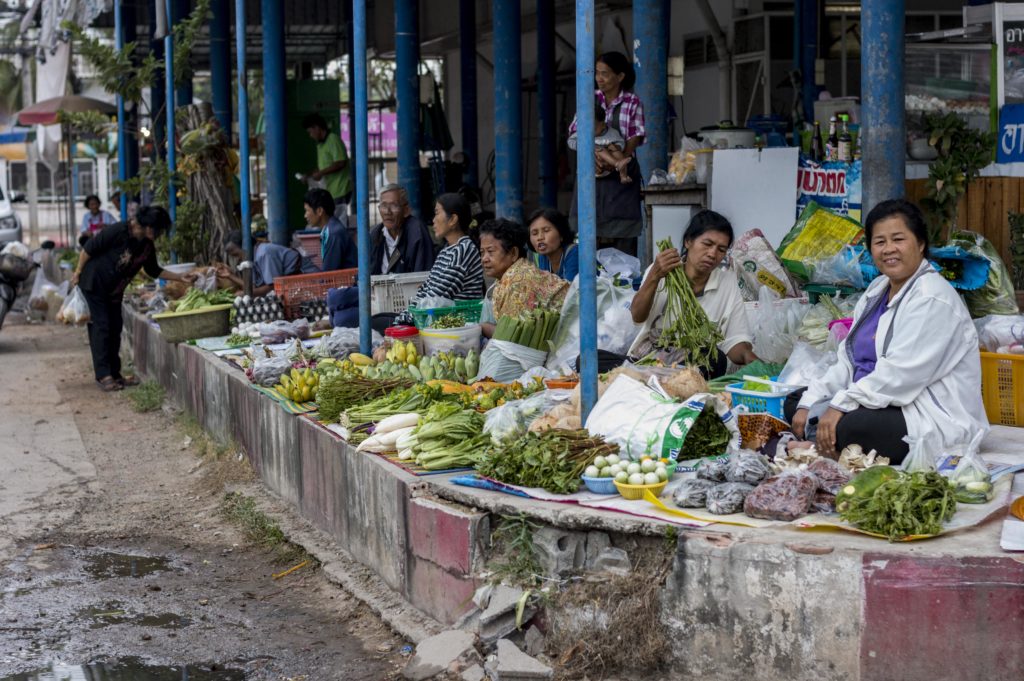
(773, 604)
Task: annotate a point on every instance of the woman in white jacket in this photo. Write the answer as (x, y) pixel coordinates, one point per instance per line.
(910, 365)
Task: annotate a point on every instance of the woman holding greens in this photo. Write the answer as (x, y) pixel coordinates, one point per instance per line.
(706, 242)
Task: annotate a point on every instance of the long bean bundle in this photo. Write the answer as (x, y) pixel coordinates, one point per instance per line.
(687, 327)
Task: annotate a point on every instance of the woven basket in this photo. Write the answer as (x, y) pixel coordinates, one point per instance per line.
(206, 322)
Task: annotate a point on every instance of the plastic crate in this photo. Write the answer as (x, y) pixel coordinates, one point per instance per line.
(394, 292)
(1002, 388)
(470, 309)
(301, 288)
(771, 403)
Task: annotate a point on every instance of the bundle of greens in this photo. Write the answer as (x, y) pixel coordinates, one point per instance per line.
(340, 391)
(687, 327)
(533, 329)
(708, 436)
(416, 399)
(448, 436)
(906, 504)
(196, 299)
(553, 460)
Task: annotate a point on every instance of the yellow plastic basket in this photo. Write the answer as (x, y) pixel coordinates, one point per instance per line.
(1002, 388)
(635, 492)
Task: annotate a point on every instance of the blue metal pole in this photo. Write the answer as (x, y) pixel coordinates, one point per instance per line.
(172, 162)
(276, 119)
(157, 89)
(546, 104)
(586, 187)
(129, 24)
(508, 110)
(243, 127)
(407, 91)
(220, 63)
(650, 58)
(798, 13)
(122, 133)
(467, 75)
(362, 176)
(808, 56)
(882, 127)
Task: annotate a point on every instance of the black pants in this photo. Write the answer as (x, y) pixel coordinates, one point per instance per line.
(882, 430)
(105, 335)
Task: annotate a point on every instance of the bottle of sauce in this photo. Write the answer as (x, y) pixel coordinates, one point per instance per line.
(832, 144)
(845, 142)
(817, 148)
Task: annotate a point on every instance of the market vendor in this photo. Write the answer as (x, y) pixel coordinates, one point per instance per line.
(553, 243)
(401, 243)
(107, 264)
(270, 261)
(94, 220)
(337, 252)
(457, 273)
(520, 286)
(706, 242)
(910, 364)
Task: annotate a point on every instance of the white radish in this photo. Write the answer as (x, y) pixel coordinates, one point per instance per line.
(405, 455)
(390, 438)
(370, 444)
(396, 422)
(407, 441)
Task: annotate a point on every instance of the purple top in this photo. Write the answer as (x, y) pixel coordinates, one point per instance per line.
(864, 355)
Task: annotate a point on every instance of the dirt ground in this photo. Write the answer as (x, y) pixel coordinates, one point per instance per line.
(123, 557)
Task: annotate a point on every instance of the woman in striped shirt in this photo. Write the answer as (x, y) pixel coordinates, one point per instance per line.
(457, 273)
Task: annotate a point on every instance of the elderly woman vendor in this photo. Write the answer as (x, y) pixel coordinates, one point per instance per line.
(520, 286)
(910, 364)
(706, 241)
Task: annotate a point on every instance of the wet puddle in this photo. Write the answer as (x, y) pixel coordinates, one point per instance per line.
(128, 669)
(110, 614)
(110, 565)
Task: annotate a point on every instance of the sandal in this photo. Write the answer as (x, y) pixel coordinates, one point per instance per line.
(129, 381)
(109, 385)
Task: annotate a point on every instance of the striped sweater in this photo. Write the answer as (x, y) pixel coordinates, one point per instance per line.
(457, 274)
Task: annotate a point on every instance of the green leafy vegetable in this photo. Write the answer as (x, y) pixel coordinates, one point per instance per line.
(909, 504)
(687, 327)
(553, 460)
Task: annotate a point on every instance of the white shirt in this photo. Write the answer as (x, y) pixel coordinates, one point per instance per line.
(928, 362)
(390, 244)
(722, 303)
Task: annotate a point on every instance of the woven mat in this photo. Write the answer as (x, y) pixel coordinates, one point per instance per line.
(413, 469)
(289, 406)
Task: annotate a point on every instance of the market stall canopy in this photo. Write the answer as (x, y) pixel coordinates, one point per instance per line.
(45, 112)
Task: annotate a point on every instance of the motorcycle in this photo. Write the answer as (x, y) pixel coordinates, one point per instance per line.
(13, 272)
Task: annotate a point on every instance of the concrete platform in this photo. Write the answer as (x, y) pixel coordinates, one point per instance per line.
(739, 603)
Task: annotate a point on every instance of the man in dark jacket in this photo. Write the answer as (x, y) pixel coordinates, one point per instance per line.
(401, 243)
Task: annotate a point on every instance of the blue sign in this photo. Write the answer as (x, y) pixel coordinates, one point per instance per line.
(1010, 146)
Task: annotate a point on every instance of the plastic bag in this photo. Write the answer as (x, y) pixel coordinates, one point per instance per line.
(841, 269)
(615, 328)
(642, 421)
(921, 456)
(683, 166)
(206, 280)
(433, 302)
(512, 419)
(806, 363)
(268, 370)
(747, 466)
(14, 267)
(971, 477)
(818, 234)
(281, 331)
(692, 493)
(616, 263)
(997, 296)
(728, 497)
(714, 470)
(1001, 333)
(45, 297)
(786, 497)
(757, 266)
(75, 309)
(832, 476)
(16, 249)
(338, 346)
(504, 361)
(814, 327)
(776, 324)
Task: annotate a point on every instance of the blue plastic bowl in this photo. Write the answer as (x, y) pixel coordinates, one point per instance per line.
(600, 485)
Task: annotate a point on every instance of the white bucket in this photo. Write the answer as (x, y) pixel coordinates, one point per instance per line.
(460, 340)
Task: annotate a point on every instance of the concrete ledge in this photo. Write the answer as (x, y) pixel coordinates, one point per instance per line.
(772, 604)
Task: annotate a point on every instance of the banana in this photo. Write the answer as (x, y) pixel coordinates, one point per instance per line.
(359, 359)
(286, 381)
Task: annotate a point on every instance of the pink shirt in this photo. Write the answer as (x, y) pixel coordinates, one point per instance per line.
(631, 114)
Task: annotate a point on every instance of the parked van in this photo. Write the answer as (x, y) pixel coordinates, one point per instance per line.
(10, 224)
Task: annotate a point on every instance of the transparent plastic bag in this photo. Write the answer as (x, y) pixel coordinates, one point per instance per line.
(615, 262)
(921, 456)
(776, 324)
(206, 280)
(971, 477)
(805, 364)
(692, 493)
(747, 466)
(75, 309)
(1001, 333)
(43, 292)
(433, 302)
(728, 497)
(615, 328)
(841, 269)
(281, 331)
(997, 296)
(512, 419)
(785, 497)
(268, 371)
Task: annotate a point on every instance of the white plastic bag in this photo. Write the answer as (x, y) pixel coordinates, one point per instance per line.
(841, 269)
(17, 249)
(972, 478)
(512, 419)
(46, 296)
(757, 266)
(615, 328)
(75, 309)
(922, 454)
(644, 421)
(615, 262)
(1001, 333)
(504, 361)
(806, 363)
(775, 323)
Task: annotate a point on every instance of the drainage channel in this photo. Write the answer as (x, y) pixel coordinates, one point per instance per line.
(128, 669)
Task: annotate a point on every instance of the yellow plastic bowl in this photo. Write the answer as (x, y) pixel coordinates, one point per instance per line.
(636, 492)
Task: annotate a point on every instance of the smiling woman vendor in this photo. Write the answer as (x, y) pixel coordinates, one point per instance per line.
(910, 364)
(706, 241)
